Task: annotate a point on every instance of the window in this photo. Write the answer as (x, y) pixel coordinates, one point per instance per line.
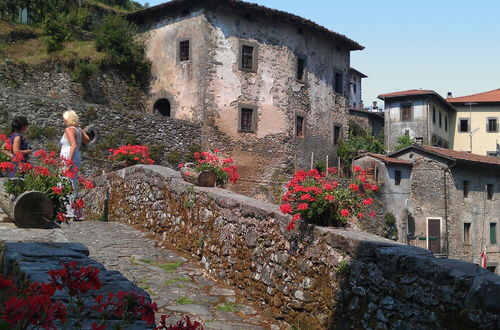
(247, 121)
(464, 125)
(489, 191)
(162, 106)
(336, 134)
(493, 232)
(248, 57)
(354, 88)
(440, 119)
(397, 177)
(338, 83)
(299, 126)
(407, 132)
(301, 69)
(492, 125)
(446, 123)
(405, 112)
(467, 233)
(433, 115)
(184, 50)
(466, 188)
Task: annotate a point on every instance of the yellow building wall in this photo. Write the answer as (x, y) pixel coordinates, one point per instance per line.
(482, 141)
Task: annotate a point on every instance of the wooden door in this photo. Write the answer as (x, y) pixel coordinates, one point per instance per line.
(434, 235)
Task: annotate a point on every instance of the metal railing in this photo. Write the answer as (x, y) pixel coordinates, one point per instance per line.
(437, 245)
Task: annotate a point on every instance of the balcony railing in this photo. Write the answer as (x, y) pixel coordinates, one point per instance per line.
(437, 245)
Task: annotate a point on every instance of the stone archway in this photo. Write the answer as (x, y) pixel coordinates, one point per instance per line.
(162, 106)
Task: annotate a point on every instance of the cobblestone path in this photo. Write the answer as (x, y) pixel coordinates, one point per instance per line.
(179, 286)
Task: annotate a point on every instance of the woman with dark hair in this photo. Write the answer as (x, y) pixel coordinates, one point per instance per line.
(19, 144)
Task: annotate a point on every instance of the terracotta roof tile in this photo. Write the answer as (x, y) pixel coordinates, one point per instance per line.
(408, 92)
(490, 96)
(387, 159)
(461, 155)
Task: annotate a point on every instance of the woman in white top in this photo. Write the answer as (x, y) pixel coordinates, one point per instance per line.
(70, 150)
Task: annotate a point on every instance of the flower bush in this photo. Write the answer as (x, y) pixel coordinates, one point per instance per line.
(131, 154)
(318, 197)
(34, 306)
(7, 147)
(224, 169)
(53, 177)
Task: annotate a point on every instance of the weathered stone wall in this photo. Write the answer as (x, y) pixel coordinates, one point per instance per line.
(114, 111)
(316, 277)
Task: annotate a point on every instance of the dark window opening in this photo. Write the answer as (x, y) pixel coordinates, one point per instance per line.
(336, 134)
(406, 112)
(492, 125)
(491, 268)
(464, 125)
(446, 123)
(91, 134)
(489, 191)
(466, 188)
(248, 16)
(407, 132)
(246, 124)
(301, 65)
(354, 88)
(493, 232)
(299, 126)
(162, 106)
(440, 119)
(184, 50)
(397, 177)
(434, 115)
(247, 57)
(338, 83)
(467, 233)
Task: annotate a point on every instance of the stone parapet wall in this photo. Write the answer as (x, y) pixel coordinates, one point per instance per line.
(315, 277)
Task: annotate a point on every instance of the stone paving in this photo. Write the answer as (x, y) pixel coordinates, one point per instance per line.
(178, 285)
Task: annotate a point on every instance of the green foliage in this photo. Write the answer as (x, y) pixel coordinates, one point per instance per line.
(115, 37)
(184, 301)
(228, 307)
(83, 70)
(403, 141)
(174, 157)
(191, 150)
(155, 152)
(347, 150)
(342, 268)
(56, 32)
(320, 166)
(82, 18)
(37, 132)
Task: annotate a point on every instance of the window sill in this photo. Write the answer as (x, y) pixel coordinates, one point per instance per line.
(244, 131)
(248, 70)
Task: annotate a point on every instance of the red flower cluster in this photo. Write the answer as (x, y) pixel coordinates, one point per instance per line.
(223, 168)
(132, 154)
(311, 194)
(36, 307)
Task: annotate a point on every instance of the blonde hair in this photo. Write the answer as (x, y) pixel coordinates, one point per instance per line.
(71, 118)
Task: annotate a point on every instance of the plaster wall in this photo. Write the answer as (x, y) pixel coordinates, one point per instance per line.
(395, 127)
(443, 132)
(482, 141)
(355, 100)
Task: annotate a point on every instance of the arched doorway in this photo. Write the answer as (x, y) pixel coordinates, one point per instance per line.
(162, 106)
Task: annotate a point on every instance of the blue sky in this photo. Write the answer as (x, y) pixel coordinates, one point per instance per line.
(444, 45)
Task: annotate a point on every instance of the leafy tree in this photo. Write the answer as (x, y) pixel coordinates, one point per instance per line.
(56, 32)
(403, 141)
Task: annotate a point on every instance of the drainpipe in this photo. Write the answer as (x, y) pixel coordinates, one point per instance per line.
(446, 206)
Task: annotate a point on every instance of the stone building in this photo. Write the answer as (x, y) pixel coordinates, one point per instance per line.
(452, 200)
(423, 115)
(270, 88)
(371, 121)
(477, 123)
(355, 98)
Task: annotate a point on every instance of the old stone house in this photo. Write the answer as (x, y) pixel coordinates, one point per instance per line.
(355, 96)
(423, 115)
(270, 88)
(451, 200)
(371, 121)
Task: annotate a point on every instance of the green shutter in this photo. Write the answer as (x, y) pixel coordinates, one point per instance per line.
(493, 233)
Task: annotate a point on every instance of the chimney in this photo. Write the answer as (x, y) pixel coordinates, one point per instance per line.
(449, 96)
(375, 108)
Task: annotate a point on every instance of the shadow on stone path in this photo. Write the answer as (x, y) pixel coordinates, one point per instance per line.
(179, 286)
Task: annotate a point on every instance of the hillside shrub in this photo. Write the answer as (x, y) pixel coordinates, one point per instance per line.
(56, 32)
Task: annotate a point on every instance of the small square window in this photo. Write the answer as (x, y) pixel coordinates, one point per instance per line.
(184, 50)
(406, 112)
(490, 191)
(338, 83)
(301, 69)
(463, 125)
(492, 125)
(397, 177)
(247, 58)
(299, 126)
(467, 233)
(466, 188)
(493, 232)
(247, 120)
(336, 134)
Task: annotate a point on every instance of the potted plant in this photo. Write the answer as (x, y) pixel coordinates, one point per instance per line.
(209, 169)
(323, 199)
(130, 155)
(42, 192)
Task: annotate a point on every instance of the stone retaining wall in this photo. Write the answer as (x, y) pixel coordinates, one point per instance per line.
(315, 277)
